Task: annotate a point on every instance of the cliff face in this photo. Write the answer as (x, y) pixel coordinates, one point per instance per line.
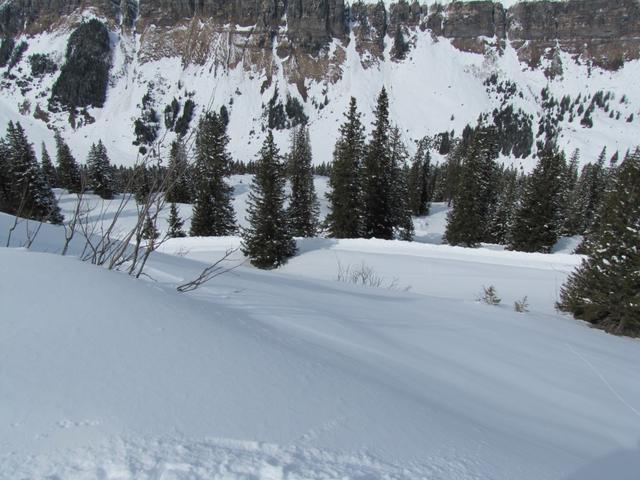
(604, 31)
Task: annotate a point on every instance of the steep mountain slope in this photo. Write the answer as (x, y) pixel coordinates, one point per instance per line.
(462, 60)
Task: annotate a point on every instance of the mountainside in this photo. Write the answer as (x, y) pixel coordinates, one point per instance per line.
(275, 62)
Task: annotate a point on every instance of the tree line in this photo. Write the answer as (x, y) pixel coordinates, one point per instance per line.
(375, 190)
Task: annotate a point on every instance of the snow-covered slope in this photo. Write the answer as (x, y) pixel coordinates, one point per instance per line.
(437, 88)
(293, 375)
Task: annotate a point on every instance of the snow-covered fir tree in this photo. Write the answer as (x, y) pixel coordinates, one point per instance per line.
(48, 169)
(419, 181)
(377, 176)
(268, 241)
(100, 177)
(28, 193)
(401, 210)
(178, 185)
(176, 223)
(213, 213)
(303, 208)
(469, 219)
(605, 290)
(67, 168)
(345, 195)
(538, 222)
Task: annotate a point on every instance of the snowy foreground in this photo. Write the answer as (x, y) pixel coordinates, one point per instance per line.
(294, 375)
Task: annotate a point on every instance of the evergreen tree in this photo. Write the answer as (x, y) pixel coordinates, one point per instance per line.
(605, 289)
(303, 209)
(378, 176)
(213, 213)
(501, 220)
(5, 177)
(538, 224)
(401, 210)
(570, 204)
(99, 171)
(419, 181)
(29, 194)
(175, 223)
(48, 170)
(268, 241)
(141, 182)
(468, 221)
(345, 196)
(149, 230)
(178, 185)
(68, 170)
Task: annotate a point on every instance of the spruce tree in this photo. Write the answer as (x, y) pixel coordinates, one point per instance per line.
(142, 183)
(29, 194)
(5, 177)
(68, 170)
(605, 289)
(175, 223)
(469, 219)
(377, 175)
(401, 210)
(419, 181)
(213, 213)
(178, 186)
(268, 241)
(303, 209)
(345, 195)
(48, 170)
(502, 215)
(149, 230)
(538, 221)
(100, 178)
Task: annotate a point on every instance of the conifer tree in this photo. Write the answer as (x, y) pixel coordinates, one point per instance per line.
(178, 186)
(378, 218)
(401, 210)
(345, 195)
(303, 209)
(48, 170)
(570, 204)
(149, 230)
(268, 241)
(68, 170)
(29, 194)
(5, 177)
(605, 289)
(419, 181)
(99, 171)
(468, 221)
(213, 213)
(141, 183)
(502, 215)
(175, 223)
(538, 221)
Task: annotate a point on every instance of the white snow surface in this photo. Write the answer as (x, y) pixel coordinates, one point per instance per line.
(292, 375)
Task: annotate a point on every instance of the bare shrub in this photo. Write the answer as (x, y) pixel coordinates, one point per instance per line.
(489, 296)
(365, 276)
(521, 306)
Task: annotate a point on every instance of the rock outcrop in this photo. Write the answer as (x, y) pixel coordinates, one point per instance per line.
(606, 32)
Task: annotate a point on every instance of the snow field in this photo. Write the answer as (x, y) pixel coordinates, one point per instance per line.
(293, 375)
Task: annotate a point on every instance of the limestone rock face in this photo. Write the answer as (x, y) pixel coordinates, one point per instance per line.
(606, 32)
